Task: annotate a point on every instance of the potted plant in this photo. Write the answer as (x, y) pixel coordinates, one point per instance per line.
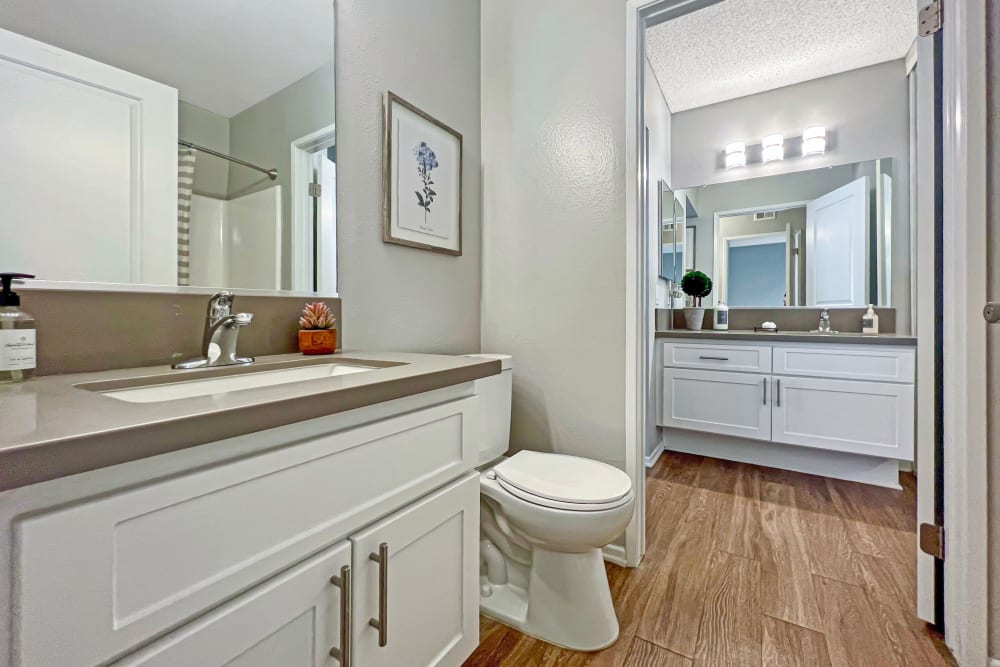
(696, 285)
(317, 335)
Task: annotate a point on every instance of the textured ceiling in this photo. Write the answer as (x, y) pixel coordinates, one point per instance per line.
(741, 47)
(222, 55)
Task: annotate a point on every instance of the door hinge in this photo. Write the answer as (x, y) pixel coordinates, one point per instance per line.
(932, 540)
(315, 190)
(930, 19)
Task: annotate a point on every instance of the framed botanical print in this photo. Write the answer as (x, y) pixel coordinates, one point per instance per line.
(422, 179)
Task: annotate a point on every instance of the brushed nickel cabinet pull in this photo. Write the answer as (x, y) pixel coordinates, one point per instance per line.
(380, 623)
(777, 391)
(715, 358)
(343, 582)
(765, 391)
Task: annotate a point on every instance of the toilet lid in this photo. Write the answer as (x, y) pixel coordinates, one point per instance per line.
(565, 479)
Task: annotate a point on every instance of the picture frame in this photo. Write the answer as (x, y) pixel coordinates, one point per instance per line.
(422, 164)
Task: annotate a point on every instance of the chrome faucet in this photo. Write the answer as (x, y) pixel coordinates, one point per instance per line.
(824, 321)
(222, 328)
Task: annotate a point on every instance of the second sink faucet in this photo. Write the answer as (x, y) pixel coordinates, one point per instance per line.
(222, 328)
(824, 321)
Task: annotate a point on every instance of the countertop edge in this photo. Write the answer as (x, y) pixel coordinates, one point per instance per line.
(33, 463)
(793, 337)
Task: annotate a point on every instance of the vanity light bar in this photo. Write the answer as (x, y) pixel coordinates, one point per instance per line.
(773, 147)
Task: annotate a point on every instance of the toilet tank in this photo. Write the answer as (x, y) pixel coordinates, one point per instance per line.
(494, 405)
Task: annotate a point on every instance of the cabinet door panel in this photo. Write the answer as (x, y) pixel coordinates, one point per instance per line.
(292, 620)
(873, 418)
(432, 594)
(717, 402)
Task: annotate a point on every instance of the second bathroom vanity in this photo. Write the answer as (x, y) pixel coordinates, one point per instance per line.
(838, 405)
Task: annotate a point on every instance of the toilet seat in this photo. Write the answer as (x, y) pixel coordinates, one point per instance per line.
(564, 482)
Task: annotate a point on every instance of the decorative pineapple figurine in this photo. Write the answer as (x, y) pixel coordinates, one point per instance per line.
(317, 334)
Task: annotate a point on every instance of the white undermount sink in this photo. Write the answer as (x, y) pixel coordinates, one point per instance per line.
(175, 390)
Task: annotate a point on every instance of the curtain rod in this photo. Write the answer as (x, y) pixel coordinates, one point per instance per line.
(271, 173)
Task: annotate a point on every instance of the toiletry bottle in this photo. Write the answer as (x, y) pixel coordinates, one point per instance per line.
(720, 320)
(869, 321)
(17, 334)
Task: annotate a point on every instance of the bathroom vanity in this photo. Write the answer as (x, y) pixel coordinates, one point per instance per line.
(840, 405)
(332, 520)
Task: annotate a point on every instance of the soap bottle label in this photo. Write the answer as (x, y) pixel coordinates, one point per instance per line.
(723, 317)
(17, 349)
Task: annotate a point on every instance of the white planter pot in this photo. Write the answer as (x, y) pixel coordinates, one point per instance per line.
(694, 318)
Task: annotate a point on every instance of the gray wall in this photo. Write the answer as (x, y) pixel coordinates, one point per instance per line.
(554, 212)
(262, 134)
(202, 127)
(428, 52)
(866, 113)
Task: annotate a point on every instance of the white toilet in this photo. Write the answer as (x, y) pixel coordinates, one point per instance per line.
(545, 519)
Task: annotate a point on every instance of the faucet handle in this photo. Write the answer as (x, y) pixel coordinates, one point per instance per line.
(220, 305)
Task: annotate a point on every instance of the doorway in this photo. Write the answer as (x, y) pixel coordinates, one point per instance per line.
(643, 15)
(314, 212)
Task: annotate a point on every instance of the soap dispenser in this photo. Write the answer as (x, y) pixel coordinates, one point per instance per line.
(869, 322)
(17, 334)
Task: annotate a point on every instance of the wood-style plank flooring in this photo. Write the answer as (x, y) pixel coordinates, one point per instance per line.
(753, 566)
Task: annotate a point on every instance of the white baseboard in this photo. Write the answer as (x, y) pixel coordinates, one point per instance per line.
(906, 466)
(839, 465)
(654, 455)
(615, 553)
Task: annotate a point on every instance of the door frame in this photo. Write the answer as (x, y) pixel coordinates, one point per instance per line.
(964, 330)
(639, 299)
(301, 172)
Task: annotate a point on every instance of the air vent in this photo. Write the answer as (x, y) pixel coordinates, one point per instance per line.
(761, 216)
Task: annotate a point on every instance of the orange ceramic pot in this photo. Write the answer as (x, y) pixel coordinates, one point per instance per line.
(317, 341)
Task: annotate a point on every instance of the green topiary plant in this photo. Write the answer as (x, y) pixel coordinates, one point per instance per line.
(696, 285)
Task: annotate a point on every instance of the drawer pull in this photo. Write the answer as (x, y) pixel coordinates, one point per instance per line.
(382, 558)
(715, 358)
(765, 391)
(777, 391)
(343, 582)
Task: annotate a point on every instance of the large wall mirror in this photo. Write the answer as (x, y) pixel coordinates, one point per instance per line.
(177, 143)
(818, 238)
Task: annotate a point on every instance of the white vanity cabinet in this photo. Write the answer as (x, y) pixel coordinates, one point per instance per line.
(851, 405)
(230, 562)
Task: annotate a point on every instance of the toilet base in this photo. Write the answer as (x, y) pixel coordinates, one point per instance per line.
(567, 601)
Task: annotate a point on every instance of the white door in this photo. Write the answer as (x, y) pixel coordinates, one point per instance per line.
(292, 620)
(873, 418)
(717, 402)
(325, 215)
(424, 594)
(88, 175)
(836, 247)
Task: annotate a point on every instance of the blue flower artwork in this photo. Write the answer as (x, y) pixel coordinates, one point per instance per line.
(426, 163)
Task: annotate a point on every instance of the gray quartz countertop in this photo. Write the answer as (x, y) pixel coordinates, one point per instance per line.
(791, 337)
(50, 427)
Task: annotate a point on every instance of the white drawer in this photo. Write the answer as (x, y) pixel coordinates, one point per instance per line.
(847, 362)
(722, 357)
(104, 575)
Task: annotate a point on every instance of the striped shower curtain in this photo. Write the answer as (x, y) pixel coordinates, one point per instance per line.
(185, 187)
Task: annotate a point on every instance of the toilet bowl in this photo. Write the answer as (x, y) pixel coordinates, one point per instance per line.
(557, 590)
(545, 519)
